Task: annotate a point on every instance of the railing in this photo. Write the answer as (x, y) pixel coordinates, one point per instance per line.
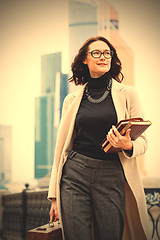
(14, 216)
(153, 205)
(37, 209)
(30, 209)
(22, 212)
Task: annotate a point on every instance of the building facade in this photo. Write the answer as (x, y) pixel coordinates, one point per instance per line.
(48, 108)
(89, 18)
(5, 154)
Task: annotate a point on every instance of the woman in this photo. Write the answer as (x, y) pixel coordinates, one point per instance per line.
(90, 188)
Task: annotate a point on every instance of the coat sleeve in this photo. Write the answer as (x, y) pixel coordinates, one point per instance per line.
(53, 178)
(134, 109)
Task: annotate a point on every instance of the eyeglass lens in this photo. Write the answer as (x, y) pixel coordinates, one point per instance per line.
(97, 54)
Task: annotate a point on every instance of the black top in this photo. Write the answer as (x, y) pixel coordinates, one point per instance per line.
(93, 121)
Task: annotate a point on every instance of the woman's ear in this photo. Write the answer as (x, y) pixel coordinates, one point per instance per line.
(85, 61)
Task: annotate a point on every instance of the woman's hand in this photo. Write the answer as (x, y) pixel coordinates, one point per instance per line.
(53, 211)
(119, 141)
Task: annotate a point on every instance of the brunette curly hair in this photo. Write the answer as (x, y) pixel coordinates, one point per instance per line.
(80, 70)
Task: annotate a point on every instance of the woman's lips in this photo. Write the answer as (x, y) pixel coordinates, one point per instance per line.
(102, 64)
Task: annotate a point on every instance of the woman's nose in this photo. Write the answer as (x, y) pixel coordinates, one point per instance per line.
(102, 56)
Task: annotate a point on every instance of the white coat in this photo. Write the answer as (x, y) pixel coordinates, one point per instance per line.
(127, 105)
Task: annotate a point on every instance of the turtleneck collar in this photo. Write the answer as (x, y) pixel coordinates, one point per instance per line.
(99, 82)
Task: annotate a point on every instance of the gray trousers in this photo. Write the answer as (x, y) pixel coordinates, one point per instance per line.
(92, 192)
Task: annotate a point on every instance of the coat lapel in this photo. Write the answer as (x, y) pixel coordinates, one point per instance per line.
(68, 129)
(119, 99)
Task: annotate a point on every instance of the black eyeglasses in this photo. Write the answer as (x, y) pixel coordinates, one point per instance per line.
(97, 54)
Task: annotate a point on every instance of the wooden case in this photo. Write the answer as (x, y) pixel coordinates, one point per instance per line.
(46, 232)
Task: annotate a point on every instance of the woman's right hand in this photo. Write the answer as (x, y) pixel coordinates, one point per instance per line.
(53, 211)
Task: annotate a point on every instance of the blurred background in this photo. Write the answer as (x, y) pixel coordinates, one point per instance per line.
(34, 29)
(38, 40)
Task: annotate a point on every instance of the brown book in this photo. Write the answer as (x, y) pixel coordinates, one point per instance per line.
(137, 126)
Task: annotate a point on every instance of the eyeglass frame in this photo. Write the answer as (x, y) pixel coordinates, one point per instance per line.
(102, 53)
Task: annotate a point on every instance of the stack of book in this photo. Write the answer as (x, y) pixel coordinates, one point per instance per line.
(137, 126)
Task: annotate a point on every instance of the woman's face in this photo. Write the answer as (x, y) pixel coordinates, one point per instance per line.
(98, 66)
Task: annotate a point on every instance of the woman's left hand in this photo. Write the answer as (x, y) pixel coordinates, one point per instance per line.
(119, 141)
